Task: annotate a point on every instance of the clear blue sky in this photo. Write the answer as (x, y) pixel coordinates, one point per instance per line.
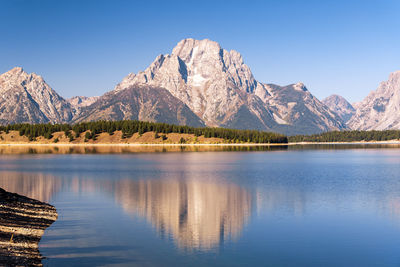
(87, 47)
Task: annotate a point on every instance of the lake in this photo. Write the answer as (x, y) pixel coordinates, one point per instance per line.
(286, 206)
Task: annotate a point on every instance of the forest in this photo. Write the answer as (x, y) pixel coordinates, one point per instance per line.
(347, 136)
(129, 127)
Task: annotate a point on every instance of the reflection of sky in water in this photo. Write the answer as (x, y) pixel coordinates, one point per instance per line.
(306, 207)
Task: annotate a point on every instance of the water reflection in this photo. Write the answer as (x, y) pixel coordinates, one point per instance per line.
(196, 214)
(127, 149)
(313, 207)
(37, 186)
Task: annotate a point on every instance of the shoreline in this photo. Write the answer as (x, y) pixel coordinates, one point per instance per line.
(393, 142)
(139, 145)
(22, 148)
(22, 224)
(390, 142)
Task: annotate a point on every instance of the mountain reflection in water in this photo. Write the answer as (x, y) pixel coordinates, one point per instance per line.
(196, 214)
(127, 149)
(130, 149)
(37, 185)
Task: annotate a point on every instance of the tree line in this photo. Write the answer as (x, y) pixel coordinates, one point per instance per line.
(348, 136)
(130, 127)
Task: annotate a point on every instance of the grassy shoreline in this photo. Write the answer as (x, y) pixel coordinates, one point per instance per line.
(117, 138)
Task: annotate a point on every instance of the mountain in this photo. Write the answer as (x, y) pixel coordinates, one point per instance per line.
(198, 84)
(82, 101)
(27, 98)
(140, 103)
(380, 110)
(340, 106)
(221, 90)
(299, 112)
(79, 102)
(212, 82)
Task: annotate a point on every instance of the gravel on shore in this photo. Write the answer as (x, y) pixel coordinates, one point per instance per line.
(22, 224)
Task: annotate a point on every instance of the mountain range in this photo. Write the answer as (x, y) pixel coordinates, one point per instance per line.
(201, 84)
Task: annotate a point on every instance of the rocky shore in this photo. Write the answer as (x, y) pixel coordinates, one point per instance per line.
(22, 224)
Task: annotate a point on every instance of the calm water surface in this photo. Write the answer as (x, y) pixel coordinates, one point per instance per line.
(290, 207)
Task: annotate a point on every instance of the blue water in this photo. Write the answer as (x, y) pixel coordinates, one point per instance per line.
(302, 207)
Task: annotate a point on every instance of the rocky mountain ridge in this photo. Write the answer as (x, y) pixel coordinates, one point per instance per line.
(143, 103)
(221, 90)
(82, 101)
(28, 98)
(340, 106)
(380, 110)
(200, 84)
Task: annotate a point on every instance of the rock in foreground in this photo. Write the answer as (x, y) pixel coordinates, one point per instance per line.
(22, 224)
